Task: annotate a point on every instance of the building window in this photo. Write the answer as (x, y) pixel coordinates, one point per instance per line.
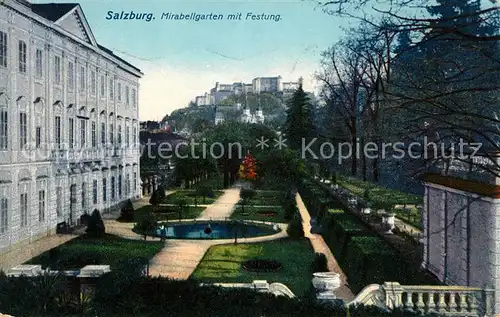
(119, 88)
(57, 131)
(57, 70)
(83, 196)
(120, 186)
(23, 130)
(92, 82)
(71, 76)
(135, 181)
(39, 63)
(4, 214)
(3, 129)
(3, 49)
(83, 133)
(127, 96)
(134, 137)
(38, 137)
(24, 210)
(59, 201)
(103, 134)
(111, 136)
(104, 190)
(94, 134)
(127, 136)
(71, 139)
(22, 56)
(103, 86)
(127, 185)
(134, 97)
(113, 188)
(111, 89)
(119, 135)
(41, 205)
(94, 192)
(82, 78)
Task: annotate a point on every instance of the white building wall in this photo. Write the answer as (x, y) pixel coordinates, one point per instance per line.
(28, 170)
(467, 250)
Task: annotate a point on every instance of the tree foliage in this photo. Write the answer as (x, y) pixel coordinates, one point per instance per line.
(299, 122)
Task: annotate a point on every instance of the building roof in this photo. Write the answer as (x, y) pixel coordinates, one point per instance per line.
(52, 11)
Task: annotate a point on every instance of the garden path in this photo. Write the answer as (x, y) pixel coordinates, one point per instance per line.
(319, 245)
(21, 254)
(223, 206)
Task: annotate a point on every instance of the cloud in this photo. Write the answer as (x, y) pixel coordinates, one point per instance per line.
(166, 87)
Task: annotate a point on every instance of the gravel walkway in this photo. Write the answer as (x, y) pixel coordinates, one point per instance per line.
(319, 245)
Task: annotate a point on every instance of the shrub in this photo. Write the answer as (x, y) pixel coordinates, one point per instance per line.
(290, 210)
(295, 229)
(247, 193)
(127, 211)
(95, 227)
(334, 178)
(181, 204)
(366, 195)
(320, 263)
(146, 224)
(204, 191)
(158, 196)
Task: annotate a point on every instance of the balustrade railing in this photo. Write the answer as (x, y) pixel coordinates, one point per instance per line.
(442, 300)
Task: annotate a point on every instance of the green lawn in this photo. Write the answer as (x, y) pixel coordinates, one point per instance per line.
(274, 214)
(167, 213)
(190, 198)
(108, 250)
(222, 263)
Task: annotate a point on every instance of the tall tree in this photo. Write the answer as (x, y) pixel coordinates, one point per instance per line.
(299, 122)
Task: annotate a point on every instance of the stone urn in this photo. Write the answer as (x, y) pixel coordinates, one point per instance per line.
(366, 210)
(388, 222)
(325, 284)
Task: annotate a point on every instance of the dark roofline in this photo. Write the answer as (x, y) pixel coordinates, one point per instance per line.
(110, 52)
(71, 6)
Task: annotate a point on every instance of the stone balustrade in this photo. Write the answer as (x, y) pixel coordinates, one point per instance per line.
(443, 300)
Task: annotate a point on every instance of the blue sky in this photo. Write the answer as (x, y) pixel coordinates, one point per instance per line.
(182, 59)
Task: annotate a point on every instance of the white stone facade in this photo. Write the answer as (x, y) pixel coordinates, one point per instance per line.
(68, 122)
(462, 238)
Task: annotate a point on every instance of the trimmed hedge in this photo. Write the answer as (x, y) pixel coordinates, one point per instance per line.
(339, 227)
(120, 294)
(362, 254)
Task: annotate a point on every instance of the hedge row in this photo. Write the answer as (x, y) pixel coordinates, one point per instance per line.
(363, 255)
(120, 294)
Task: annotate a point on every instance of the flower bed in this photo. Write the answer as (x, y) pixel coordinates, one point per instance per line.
(267, 213)
(261, 265)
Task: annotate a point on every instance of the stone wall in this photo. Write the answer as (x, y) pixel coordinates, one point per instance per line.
(462, 238)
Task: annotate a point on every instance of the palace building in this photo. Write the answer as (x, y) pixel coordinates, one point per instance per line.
(68, 122)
